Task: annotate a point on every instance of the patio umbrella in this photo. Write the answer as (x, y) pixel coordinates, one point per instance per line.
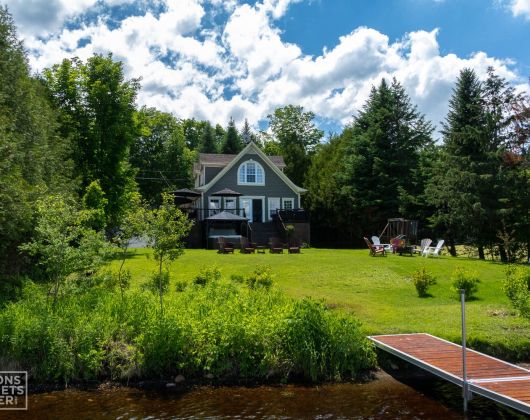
(226, 193)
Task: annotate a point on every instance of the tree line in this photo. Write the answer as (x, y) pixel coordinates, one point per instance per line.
(76, 131)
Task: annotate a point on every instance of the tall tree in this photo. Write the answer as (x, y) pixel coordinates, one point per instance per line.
(220, 134)
(208, 144)
(160, 154)
(298, 136)
(457, 186)
(381, 157)
(232, 143)
(33, 157)
(97, 112)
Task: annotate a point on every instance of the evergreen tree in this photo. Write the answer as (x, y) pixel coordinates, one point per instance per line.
(298, 136)
(208, 144)
(219, 134)
(246, 133)
(381, 159)
(97, 112)
(461, 175)
(232, 143)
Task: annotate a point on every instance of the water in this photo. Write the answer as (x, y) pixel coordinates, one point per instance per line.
(384, 397)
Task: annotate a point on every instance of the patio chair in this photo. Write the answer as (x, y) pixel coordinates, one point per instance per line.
(275, 246)
(375, 249)
(423, 244)
(294, 247)
(224, 247)
(247, 247)
(433, 250)
(377, 242)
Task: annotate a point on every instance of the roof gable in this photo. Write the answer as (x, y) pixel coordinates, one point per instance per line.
(252, 148)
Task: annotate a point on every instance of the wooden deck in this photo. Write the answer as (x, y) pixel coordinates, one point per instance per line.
(487, 376)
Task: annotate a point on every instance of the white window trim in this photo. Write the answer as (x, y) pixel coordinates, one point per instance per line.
(269, 205)
(291, 200)
(251, 183)
(225, 199)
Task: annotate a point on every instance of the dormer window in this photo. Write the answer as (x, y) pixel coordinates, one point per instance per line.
(251, 173)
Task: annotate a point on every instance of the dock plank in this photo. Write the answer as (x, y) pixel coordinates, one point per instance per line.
(487, 376)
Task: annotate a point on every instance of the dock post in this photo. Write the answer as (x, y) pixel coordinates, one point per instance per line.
(464, 358)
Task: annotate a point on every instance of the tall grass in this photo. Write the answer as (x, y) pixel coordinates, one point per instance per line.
(223, 328)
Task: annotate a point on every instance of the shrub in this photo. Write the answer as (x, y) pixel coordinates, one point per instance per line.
(238, 278)
(466, 280)
(207, 275)
(422, 280)
(517, 288)
(261, 277)
(159, 282)
(229, 330)
(181, 285)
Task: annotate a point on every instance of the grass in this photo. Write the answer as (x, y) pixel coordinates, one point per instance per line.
(377, 290)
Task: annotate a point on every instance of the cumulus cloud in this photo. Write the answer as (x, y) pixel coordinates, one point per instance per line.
(242, 68)
(520, 8)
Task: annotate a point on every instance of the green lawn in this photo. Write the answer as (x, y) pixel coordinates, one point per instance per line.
(377, 291)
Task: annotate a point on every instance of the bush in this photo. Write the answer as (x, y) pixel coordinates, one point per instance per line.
(261, 277)
(158, 281)
(422, 280)
(207, 275)
(517, 288)
(181, 285)
(232, 331)
(466, 280)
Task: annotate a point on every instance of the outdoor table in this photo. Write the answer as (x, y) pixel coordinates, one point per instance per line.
(405, 250)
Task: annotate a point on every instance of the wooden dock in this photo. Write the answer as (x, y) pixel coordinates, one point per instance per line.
(487, 376)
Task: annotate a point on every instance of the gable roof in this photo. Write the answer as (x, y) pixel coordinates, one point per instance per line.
(267, 159)
(220, 159)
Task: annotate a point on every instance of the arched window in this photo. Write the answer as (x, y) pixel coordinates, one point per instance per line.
(251, 173)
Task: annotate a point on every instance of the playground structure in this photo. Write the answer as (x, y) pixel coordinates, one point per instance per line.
(401, 229)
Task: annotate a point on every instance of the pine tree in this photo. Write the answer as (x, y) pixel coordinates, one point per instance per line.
(208, 144)
(457, 186)
(246, 133)
(232, 143)
(381, 159)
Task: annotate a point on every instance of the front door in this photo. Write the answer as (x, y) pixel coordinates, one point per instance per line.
(257, 210)
(253, 207)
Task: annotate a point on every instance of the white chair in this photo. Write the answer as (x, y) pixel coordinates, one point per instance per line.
(434, 251)
(425, 243)
(377, 242)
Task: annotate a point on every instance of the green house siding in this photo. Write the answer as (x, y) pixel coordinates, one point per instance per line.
(274, 186)
(210, 173)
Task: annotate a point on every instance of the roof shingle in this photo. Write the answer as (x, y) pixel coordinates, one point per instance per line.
(220, 159)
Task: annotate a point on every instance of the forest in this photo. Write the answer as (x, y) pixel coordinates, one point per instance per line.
(75, 144)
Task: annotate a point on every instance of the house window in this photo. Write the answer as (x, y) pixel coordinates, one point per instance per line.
(251, 173)
(214, 206)
(274, 204)
(230, 203)
(288, 203)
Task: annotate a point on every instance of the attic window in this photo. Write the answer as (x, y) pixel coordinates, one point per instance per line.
(251, 173)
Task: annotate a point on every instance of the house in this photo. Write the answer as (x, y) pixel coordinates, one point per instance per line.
(250, 185)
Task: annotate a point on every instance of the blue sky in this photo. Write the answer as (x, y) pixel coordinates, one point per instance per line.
(216, 59)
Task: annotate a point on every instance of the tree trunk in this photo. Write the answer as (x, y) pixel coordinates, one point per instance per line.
(481, 252)
(504, 256)
(452, 247)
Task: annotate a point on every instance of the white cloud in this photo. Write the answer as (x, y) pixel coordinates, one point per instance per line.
(520, 8)
(242, 68)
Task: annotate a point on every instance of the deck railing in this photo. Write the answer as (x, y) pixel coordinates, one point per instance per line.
(202, 213)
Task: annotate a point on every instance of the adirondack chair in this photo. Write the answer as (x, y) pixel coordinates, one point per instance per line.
(377, 242)
(375, 249)
(247, 247)
(433, 250)
(423, 244)
(224, 247)
(275, 246)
